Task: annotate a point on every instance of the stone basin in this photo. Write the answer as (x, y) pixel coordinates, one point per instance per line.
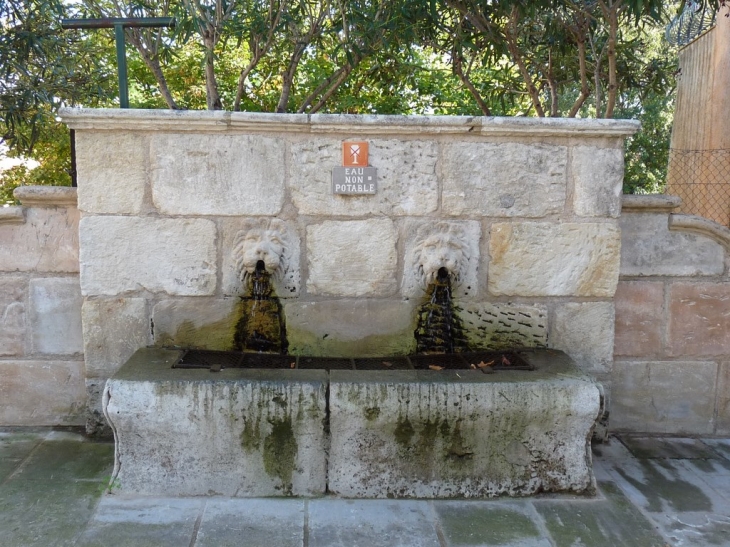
(357, 434)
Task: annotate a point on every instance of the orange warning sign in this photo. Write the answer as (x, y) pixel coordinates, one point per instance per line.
(354, 154)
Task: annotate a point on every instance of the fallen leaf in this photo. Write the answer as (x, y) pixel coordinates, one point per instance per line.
(482, 364)
(435, 367)
(505, 361)
(473, 366)
(293, 364)
(387, 363)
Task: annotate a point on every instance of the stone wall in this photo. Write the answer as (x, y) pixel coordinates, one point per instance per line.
(531, 207)
(41, 345)
(672, 342)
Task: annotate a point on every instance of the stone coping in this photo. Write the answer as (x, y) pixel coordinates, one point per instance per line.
(12, 215)
(203, 120)
(46, 196)
(650, 203)
(700, 225)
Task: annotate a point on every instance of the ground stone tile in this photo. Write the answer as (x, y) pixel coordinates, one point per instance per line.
(236, 522)
(721, 446)
(598, 523)
(136, 522)
(45, 513)
(371, 523)
(489, 523)
(14, 448)
(663, 448)
(69, 461)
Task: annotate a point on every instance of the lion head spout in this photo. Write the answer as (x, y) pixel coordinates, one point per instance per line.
(262, 242)
(440, 246)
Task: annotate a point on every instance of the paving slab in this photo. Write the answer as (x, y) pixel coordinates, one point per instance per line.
(14, 448)
(667, 448)
(45, 513)
(490, 523)
(69, 459)
(236, 522)
(720, 446)
(141, 522)
(371, 523)
(605, 522)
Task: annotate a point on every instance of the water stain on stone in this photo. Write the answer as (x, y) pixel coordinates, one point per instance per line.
(404, 432)
(280, 452)
(372, 413)
(262, 326)
(251, 435)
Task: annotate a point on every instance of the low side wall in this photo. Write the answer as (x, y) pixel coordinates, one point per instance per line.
(41, 346)
(672, 340)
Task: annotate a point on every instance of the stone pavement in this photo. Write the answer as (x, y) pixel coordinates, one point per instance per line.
(652, 492)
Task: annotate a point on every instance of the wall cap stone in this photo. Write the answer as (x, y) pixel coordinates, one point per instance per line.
(650, 203)
(12, 215)
(702, 226)
(46, 196)
(203, 120)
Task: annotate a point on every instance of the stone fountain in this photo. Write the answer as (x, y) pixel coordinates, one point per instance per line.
(501, 232)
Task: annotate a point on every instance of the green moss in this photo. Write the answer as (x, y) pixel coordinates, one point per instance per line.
(214, 336)
(280, 452)
(251, 435)
(404, 432)
(372, 413)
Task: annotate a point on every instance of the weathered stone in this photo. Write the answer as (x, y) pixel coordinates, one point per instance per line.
(350, 328)
(584, 330)
(432, 245)
(204, 323)
(598, 177)
(699, 319)
(55, 316)
(503, 179)
(207, 174)
(47, 196)
(245, 241)
(96, 423)
(352, 258)
(649, 248)
(662, 397)
(504, 326)
(245, 433)
(112, 171)
(723, 399)
(554, 259)
(640, 318)
(13, 295)
(48, 241)
(407, 183)
(123, 254)
(34, 393)
(114, 328)
(461, 434)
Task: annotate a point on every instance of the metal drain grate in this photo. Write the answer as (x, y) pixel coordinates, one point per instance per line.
(327, 363)
(383, 363)
(196, 358)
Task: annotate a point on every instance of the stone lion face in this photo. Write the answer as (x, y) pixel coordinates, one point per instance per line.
(442, 249)
(261, 243)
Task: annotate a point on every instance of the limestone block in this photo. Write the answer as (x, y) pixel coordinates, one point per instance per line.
(41, 393)
(598, 177)
(407, 183)
(649, 248)
(114, 328)
(204, 323)
(503, 326)
(554, 259)
(723, 399)
(124, 254)
(96, 423)
(640, 318)
(351, 328)
(352, 258)
(48, 241)
(112, 171)
(55, 316)
(676, 397)
(209, 174)
(432, 245)
(467, 434)
(584, 330)
(13, 295)
(503, 179)
(242, 433)
(245, 241)
(699, 319)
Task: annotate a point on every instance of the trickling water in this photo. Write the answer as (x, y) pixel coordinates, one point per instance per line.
(261, 327)
(439, 329)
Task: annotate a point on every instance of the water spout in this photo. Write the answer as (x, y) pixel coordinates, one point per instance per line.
(439, 329)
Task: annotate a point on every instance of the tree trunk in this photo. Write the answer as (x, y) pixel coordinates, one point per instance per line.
(584, 90)
(211, 84)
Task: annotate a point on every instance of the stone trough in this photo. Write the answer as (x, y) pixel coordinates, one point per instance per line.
(358, 434)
